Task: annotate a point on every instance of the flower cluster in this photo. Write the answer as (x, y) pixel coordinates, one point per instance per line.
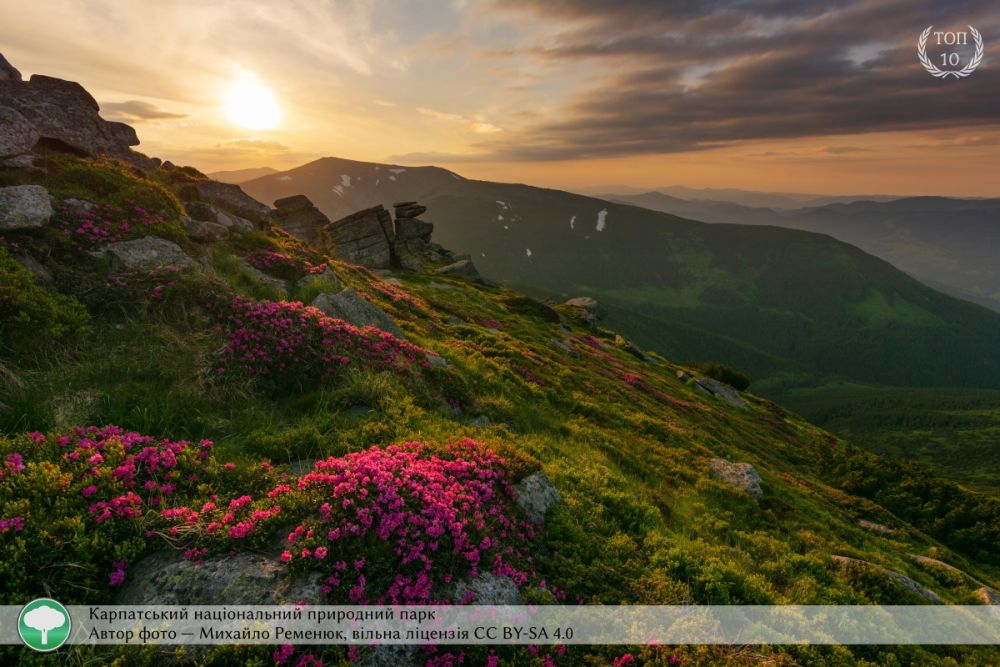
(153, 283)
(398, 525)
(281, 264)
(633, 380)
(288, 343)
(98, 224)
(15, 524)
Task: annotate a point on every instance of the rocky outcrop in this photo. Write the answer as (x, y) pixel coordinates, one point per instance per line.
(24, 207)
(149, 252)
(722, 391)
(353, 308)
(877, 527)
(203, 230)
(536, 494)
(297, 216)
(742, 476)
(987, 596)
(901, 580)
(463, 269)
(7, 71)
(408, 209)
(17, 135)
(487, 589)
(591, 311)
(275, 283)
(245, 578)
(232, 198)
(363, 238)
(65, 116)
(634, 350)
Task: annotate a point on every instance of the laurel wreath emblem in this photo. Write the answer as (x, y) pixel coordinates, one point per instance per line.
(934, 70)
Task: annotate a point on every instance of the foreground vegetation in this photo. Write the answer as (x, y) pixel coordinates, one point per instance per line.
(626, 442)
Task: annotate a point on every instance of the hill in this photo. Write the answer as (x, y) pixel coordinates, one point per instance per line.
(949, 244)
(745, 198)
(785, 306)
(241, 175)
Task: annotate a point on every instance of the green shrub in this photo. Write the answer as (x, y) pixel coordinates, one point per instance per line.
(29, 312)
(725, 374)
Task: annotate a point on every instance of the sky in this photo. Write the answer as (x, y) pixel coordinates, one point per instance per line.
(774, 95)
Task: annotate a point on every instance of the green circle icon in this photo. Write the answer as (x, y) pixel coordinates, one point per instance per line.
(44, 624)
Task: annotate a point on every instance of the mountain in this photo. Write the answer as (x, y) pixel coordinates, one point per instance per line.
(785, 306)
(241, 175)
(949, 244)
(749, 198)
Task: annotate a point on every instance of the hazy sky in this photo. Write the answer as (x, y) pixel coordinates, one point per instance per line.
(770, 95)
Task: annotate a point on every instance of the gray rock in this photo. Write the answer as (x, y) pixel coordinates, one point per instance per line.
(480, 421)
(199, 210)
(901, 580)
(326, 277)
(877, 527)
(297, 216)
(742, 476)
(7, 71)
(435, 252)
(563, 345)
(463, 269)
(23, 162)
(589, 306)
(436, 361)
(24, 207)
(488, 589)
(409, 255)
(409, 228)
(66, 116)
(389, 655)
(408, 209)
(353, 308)
(722, 391)
(148, 252)
(536, 494)
(261, 277)
(202, 230)
(683, 376)
(634, 350)
(17, 135)
(246, 578)
(363, 238)
(42, 275)
(987, 595)
(77, 206)
(231, 197)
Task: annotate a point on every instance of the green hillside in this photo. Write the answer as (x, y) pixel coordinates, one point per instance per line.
(213, 352)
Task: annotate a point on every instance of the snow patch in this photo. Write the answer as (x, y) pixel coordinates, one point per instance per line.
(499, 217)
(527, 251)
(397, 171)
(506, 227)
(602, 218)
(392, 177)
(284, 178)
(345, 180)
(503, 203)
(339, 189)
(572, 222)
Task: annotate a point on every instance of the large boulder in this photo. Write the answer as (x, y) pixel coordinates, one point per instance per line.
(24, 207)
(722, 391)
(409, 255)
(411, 228)
(246, 578)
(589, 307)
(67, 117)
(363, 238)
(231, 197)
(203, 230)
(17, 135)
(7, 71)
(463, 269)
(408, 209)
(148, 252)
(536, 494)
(297, 216)
(353, 308)
(742, 476)
(487, 589)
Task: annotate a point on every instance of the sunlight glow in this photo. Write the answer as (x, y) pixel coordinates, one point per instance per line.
(250, 104)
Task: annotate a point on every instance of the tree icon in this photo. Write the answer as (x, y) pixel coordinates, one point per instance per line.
(44, 624)
(43, 619)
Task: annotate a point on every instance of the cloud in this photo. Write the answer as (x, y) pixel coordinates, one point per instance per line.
(136, 111)
(436, 158)
(475, 124)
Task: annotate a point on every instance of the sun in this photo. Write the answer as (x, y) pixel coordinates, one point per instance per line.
(251, 104)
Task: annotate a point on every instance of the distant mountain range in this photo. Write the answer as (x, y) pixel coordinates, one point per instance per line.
(736, 196)
(785, 305)
(241, 175)
(950, 244)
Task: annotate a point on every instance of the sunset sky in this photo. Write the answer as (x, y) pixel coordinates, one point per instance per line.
(778, 95)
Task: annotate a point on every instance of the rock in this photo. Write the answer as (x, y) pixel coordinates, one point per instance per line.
(389, 655)
(148, 252)
(24, 207)
(353, 308)
(7, 71)
(536, 494)
(987, 595)
(261, 277)
(202, 230)
(463, 269)
(77, 207)
(409, 255)
(722, 391)
(42, 275)
(435, 252)
(17, 135)
(408, 209)
(297, 216)
(590, 307)
(409, 228)
(876, 527)
(901, 580)
(634, 350)
(742, 476)
(436, 361)
(487, 589)
(25, 162)
(563, 345)
(231, 197)
(200, 210)
(683, 376)
(327, 277)
(363, 238)
(66, 117)
(246, 578)
(480, 421)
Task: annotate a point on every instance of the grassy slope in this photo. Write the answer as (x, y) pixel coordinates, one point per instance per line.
(642, 520)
